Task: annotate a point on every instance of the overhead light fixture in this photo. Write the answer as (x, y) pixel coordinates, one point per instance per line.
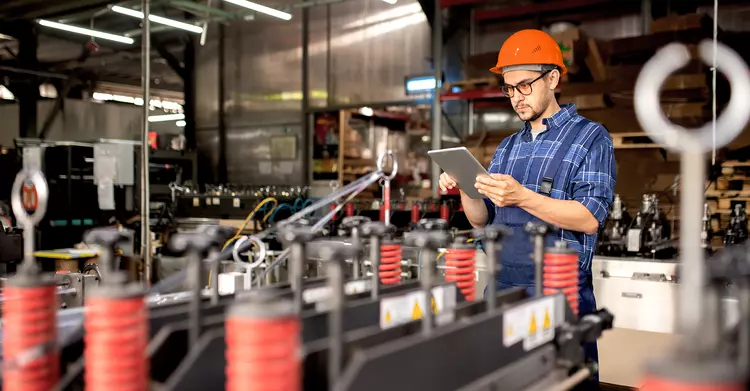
(159, 19)
(262, 9)
(390, 1)
(180, 124)
(166, 117)
(83, 31)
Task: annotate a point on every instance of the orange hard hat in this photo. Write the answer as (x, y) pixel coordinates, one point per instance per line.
(529, 47)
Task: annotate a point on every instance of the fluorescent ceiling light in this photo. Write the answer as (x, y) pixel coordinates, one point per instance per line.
(159, 19)
(390, 1)
(166, 117)
(83, 31)
(262, 9)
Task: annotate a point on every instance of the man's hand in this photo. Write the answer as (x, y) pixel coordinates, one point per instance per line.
(447, 182)
(501, 189)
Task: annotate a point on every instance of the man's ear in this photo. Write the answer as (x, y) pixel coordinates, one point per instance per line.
(554, 79)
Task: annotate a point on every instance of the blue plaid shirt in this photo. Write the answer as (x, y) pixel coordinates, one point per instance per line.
(585, 175)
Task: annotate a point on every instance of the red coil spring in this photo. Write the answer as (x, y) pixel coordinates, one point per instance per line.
(349, 209)
(445, 212)
(115, 343)
(460, 269)
(415, 213)
(263, 354)
(29, 317)
(561, 275)
(390, 264)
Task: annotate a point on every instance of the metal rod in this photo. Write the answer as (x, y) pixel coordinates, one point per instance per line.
(336, 320)
(222, 125)
(145, 149)
(426, 276)
(375, 265)
(491, 267)
(574, 380)
(195, 268)
(692, 283)
(329, 64)
(437, 117)
(296, 262)
(538, 261)
(357, 261)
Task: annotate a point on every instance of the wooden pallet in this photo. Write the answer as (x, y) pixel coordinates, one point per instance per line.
(635, 140)
(473, 84)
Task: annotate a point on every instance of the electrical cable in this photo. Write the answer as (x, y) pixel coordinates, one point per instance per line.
(278, 208)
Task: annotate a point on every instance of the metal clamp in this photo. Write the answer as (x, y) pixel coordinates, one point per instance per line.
(677, 138)
(36, 177)
(381, 163)
(261, 251)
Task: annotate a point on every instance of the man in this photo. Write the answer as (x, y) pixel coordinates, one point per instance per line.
(559, 168)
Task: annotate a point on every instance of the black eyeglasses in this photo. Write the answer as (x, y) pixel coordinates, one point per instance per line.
(523, 88)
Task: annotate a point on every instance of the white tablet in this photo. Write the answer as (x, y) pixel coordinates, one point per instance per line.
(462, 166)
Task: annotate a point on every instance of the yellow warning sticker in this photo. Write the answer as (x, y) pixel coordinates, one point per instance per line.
(433, 305)
(416, 312)
(531, 323)
(388, 317)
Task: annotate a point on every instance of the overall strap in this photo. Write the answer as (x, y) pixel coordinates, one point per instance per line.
(545, 188)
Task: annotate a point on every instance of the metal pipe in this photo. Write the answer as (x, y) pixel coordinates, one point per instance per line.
(472, 47)
(145, 149)
(222, 164)
(375, 265)
(306, 127)
(329, 65)
(427, 273)
(491, 266)
(34, 73)
(692, 303)
(437, 116)
(296, 264)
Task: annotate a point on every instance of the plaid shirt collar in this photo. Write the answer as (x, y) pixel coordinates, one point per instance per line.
(567, 111)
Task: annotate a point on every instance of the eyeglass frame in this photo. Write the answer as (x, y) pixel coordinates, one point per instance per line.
(515, 87)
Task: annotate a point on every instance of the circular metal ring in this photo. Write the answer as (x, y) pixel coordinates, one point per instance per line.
(677, 138)
(261, 251)
(42, 194)
(381, 162)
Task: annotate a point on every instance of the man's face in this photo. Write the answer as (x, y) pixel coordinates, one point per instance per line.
(528, 107)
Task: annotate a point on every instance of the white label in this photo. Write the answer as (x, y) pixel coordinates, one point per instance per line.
(196, 202)
(533, 323)
(314, 295)
(217, 201)
(634, 240)
(411, 306)
(236, 202)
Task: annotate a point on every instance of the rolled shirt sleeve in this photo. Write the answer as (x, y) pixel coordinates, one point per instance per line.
(594, 182)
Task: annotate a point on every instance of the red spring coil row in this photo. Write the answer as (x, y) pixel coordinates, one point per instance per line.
(116, 342)
(460, 262)
(263, 348)
(561, 275)
(29, 317)
(349, 209)
(390, 263)
(333, 206)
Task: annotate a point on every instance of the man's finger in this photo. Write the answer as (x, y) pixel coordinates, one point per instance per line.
(501, 176)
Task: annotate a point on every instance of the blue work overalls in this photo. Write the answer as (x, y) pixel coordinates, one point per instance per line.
(517, 267)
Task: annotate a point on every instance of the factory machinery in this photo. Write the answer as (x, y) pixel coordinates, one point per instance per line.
(343, 317)
(352, 324)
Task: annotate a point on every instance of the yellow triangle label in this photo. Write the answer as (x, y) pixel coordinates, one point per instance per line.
(416, 312)
(547, 321)
(354, 291)
(387, 317)
(509, 331)
(433, 305)
(532, 325)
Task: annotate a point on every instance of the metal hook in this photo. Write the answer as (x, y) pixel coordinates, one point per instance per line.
(261, 251)
(25, 219)
(381, 163)
(677, 138)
